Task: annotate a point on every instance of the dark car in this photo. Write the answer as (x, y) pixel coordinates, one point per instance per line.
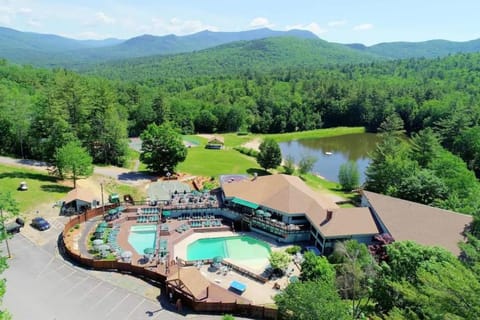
(40, 223)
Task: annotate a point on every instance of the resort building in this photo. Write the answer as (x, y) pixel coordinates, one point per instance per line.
(406, 220)
(285, 208)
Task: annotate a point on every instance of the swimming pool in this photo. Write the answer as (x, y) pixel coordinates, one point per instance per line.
(240, 248)
(142, 237)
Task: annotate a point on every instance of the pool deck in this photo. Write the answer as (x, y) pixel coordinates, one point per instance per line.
(256, 292)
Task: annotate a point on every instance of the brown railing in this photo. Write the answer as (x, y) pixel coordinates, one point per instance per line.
(248, 310)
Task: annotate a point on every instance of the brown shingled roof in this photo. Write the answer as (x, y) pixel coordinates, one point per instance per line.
(290, 194)
(80, 193)
(406, 220)
(193, 280)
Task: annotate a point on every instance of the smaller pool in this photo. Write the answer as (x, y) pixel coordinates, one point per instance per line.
(142, 237)
(241, 248)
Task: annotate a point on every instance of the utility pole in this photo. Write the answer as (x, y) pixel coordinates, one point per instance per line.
(5, 235)
(103, 204)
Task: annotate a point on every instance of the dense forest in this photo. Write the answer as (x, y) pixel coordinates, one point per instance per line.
(45, 108)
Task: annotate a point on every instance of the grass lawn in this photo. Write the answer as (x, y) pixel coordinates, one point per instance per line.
(318, 133)
(42, 188)
(212, 163)
(318, 183)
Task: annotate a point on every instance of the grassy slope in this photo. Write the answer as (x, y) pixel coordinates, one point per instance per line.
(212, 163)
(42, 188)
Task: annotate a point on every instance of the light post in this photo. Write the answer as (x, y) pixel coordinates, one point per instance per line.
(103, 204)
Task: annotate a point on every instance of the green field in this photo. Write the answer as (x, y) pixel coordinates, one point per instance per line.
(212, 163)
(42, 188)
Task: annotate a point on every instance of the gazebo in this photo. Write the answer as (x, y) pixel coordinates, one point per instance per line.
(216, 142)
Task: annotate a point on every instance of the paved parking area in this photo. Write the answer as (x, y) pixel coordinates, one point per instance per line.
(43, 286)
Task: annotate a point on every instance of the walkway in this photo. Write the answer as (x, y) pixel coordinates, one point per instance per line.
(42, 286)
(82, 242)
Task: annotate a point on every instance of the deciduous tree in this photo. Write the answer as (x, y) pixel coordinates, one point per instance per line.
(349, 176)
(73, 162)
(162, 148)
(270, 155)
(311, 300)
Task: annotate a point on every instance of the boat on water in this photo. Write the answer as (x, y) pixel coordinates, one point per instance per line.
(328, 153)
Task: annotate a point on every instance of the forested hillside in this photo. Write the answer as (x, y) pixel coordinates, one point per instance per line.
(426, 49)
(45, 108)
(259, 55)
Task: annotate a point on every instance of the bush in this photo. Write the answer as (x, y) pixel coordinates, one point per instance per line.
(247, 151)
(242, 133)
(77, 226)
(293, 249)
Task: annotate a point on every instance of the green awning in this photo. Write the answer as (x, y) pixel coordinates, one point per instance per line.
(245, 203)
(166, 213)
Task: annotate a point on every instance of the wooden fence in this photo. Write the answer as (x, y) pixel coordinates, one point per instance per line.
(246, 310)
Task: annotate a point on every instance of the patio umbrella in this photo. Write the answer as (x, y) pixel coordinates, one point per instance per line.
(126, 254)
(112, 212)
(217, 259)
(103, 225)
(166, 213)
(148, 250)
(260, 213)
(293, 279)
(97, 242)
(103, 247)
(120, 208)
(267, 214)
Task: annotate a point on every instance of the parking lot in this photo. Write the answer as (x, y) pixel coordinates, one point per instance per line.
(42, 285)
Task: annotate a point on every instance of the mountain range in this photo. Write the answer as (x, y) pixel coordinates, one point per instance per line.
(234, 50)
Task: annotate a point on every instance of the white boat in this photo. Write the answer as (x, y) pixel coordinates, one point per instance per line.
(328, 153)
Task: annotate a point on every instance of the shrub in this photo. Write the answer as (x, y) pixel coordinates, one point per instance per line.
(293, 249)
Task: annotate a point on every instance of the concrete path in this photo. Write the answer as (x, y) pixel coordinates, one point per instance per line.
(43, 286)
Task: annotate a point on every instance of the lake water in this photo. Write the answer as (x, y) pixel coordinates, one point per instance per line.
(332, 152)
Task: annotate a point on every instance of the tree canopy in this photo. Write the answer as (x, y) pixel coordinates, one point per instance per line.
(162, 148)
(73, 162)
(270, 155)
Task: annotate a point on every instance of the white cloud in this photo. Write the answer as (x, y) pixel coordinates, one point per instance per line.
(34, 23)
(363, 27)
(312, 27)
(5, 19)
(260, 22)
(337, 23)
(101, 17)
(24, 11)
(175, 26)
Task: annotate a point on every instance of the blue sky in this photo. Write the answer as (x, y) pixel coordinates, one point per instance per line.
(353, 21)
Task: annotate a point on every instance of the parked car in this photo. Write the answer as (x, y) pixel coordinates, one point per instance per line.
(14, 226)
(40, 223)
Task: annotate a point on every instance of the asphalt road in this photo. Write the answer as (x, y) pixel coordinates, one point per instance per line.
(41, 285)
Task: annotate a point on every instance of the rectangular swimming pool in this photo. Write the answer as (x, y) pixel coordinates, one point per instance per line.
(142, 237)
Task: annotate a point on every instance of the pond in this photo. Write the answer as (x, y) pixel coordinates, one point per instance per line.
(332, 152)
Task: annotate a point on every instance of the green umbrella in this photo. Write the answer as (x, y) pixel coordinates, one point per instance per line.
(260, 212)
(148, 250)
(120, 208)
(293, 279)
(267, 214)
(103, 225)
(166, 213)
(112, 212)
(100, 229)
(217, 259)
